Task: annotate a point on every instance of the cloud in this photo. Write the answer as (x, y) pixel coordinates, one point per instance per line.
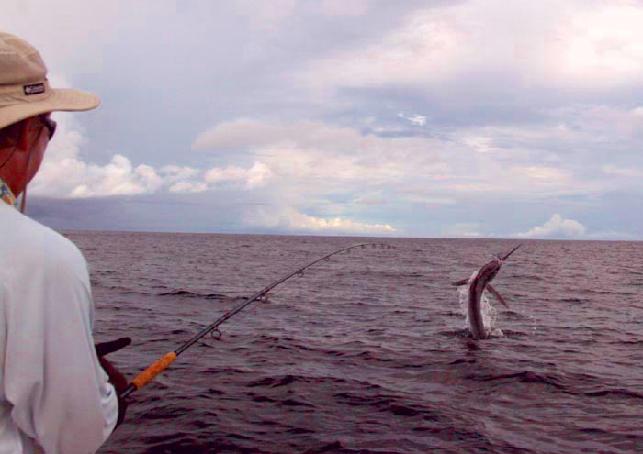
(299, 221)
(266, 16)
(432, 117)
(174, 173)
(253, 177)
(79, 30)
(591, 44)
(416, 120)
(255, 134)
(65, 173)
(343, 8)
(313, 158)
(288, 218)
(373, 199)
(419, 197)
(543, 175)
(563, 157)
(604, 44)
(316, 156)
(183, 179)
(422, 50)
(187, 187)
(622, 171)
(556, 227)
(462, 230)
(118, 177)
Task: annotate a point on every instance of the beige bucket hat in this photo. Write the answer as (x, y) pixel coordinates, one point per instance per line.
(24, 89)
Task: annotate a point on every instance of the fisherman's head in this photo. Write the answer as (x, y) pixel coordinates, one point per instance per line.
(26, 103)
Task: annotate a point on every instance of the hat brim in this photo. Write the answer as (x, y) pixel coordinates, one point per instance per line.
(61, 99)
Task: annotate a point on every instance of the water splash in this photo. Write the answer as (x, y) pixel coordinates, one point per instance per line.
(489, 312)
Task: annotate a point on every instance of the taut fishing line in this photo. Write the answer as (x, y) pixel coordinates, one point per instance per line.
(164, 362)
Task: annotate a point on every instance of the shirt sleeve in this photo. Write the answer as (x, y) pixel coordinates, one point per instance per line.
(61, 396)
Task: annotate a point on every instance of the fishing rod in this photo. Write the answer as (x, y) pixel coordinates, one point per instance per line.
(164, 362)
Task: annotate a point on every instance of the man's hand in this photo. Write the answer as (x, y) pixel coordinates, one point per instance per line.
(116, 378)
(105, 348)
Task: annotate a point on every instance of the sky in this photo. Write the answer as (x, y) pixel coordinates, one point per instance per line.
(472, 118)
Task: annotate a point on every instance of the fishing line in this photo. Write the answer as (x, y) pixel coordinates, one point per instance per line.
(164, 362)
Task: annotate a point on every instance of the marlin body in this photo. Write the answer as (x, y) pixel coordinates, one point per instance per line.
(478, 283)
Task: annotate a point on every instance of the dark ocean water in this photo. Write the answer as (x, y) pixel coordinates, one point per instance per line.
(369, 352)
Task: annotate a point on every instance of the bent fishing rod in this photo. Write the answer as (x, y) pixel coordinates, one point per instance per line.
(164, 362)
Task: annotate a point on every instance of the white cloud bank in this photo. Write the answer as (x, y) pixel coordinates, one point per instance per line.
(302, 165)
(290, 219)
(300, 221)
(319, 158)
(556, 227)
(65, 172)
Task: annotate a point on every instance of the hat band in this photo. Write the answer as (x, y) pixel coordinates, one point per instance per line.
(11, 95)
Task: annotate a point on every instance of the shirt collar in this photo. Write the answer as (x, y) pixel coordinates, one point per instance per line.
(6, 195)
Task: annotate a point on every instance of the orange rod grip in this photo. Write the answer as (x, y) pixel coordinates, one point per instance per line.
(153, 370)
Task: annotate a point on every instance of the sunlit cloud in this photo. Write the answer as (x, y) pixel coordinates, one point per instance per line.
(67, 173)
(188, 187)
(603, 44)
(556, 227)
(289, 219)
(591, 43)
(313, 223)
(255, 176)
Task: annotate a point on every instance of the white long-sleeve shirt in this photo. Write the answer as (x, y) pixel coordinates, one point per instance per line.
(54, 396)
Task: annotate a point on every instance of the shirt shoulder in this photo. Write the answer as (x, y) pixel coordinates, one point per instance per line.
(28, 245)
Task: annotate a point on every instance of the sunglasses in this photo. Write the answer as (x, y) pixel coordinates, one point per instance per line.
(49, 124)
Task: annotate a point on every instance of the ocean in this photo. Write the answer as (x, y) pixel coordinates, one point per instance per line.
(369, 351)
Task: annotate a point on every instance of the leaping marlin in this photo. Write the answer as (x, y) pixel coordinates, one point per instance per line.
(477, 285)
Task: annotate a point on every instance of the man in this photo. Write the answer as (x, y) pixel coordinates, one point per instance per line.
(54, 395)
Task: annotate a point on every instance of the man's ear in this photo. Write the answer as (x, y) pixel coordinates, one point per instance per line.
(23, 133)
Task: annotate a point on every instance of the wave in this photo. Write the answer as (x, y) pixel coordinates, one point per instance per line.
(274, 382)
(525, 376)
(572, 300)
(189, 294)
(614, 392)
(335, 447)
(628, 342)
